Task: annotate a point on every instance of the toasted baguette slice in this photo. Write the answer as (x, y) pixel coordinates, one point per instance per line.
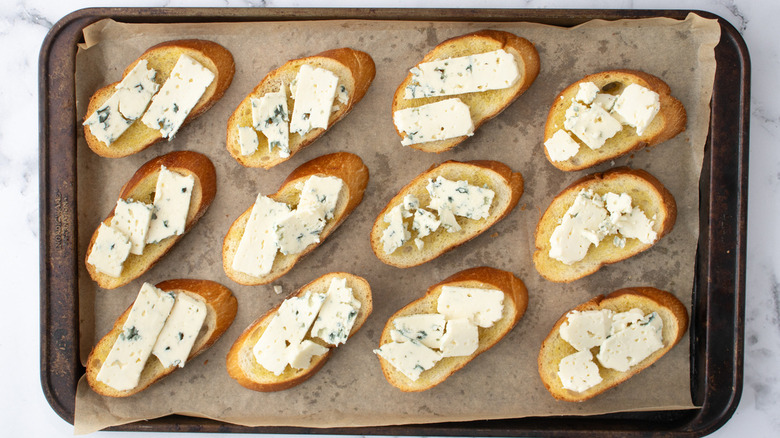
(646, 192)
(483, 105)
(141, 187)
(515, 304)
(648, 299)
(669, 121)
(497, 176)
(355, 70)
(241, 363)
(349, 167)
(162, 58)
(221, 307)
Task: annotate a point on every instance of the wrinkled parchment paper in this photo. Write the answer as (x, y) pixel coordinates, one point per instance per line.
(351, 390)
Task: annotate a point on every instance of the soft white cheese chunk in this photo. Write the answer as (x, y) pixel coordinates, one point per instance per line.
(410, 204)
(483, 307)
(427, 328)
(107, 123)
(587, 92)
(605, 100)
(441, 120)
(588, 329)
(396, 233)
(271, 117)
(424, 222)
(637, 106)
(633, 344)
(299, 230)
(123, 365)
(448, 221)
(178, 335)
(299, 355)
(410, 358)
(258, 245)
(171, 205)
(578, 372)
(637, 226)
(620, 321)
(461, 338)
(132, 218)
(315, 90)
(178, 96)
(136, 90)
(320, 192)
(248, 141)
(594, 125)
(298, 314)
(467, 74)
(561, 147)
(460, 197)
(270, 351)
(579, 228)
(337, 315)
(110, 251)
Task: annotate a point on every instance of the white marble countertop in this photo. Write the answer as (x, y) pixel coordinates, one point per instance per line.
(23, 26)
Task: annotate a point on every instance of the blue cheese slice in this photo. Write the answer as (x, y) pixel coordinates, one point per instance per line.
(424, 222)
(494, 70)
(110, 251)
(299, 230)
(410, 358)
(450, 118)
(578, 372)
(180, 331)
(271, 117)
(258, 245)
(396, 233)
(107, 123)
(593, 125)
(132, 218)
(561, 147)
(122, 368)
(637, 106)
(461, 338)
(337, 315)
(299, 355)
(460, 197)
(320, 193)
(171, 205)
(588, 329)
(483, 307)
(248, 141)
(315, 90)
(426, 328)
(633, 344)
(136, 90)
(178, 96)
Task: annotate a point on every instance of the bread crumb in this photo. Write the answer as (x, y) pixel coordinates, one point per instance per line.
(494, 234)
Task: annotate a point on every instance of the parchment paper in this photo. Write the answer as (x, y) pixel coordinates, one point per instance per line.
(351, 390)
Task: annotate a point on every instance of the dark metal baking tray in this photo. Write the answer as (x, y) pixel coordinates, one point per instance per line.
(717, 329)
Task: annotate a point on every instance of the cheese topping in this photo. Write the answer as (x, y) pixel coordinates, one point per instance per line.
(110, 251)
(132, 218)
(247, 140)
(315, 90)
(337, 315)
(171, 205)
(561, 147)
(578, 372)
(591, 218)
(637, 106)
(396, 234)
(460, 197)
(426, 328)
(467, 74)
(180, 331)
(271, 117)
(441, 120)
(178, 96)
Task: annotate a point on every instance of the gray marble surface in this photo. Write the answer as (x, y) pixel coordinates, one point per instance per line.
(23, 26)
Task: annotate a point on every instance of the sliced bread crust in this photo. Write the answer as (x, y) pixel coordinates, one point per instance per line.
(669, 121)
(507, 185)
(162, 57)
(355, 70)
(241, 363)
(648, 299)
(349, 167)
(515, 304)
(646, 192)
(141, 187)
(483, 105)
(221, 307)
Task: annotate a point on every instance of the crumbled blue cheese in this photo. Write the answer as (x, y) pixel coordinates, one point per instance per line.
(337, 315)
(587, 92)
(171, 205)
(633, 344)
(299, 230)
(410, 203)
(591, 218)
(593, 125)
(461, 338)
(410, 358)
(106, 123)
(588, 329)
(315, 90)
(136, 90)
(448, 221)
(460, 197)
(637, 106)
(178, 96)
(561, 147)
(396, 233)
(248, 141)
(605, 100)
(321, 193)
(132, 218)
(441, 120)
(122, 367)
(271, 117)
(467, 74)
(578, 372)
(342, 97)
(258, 245)
(427, 328)
(180, 331)
(109, 251)
(424, 222)
(483, 307)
